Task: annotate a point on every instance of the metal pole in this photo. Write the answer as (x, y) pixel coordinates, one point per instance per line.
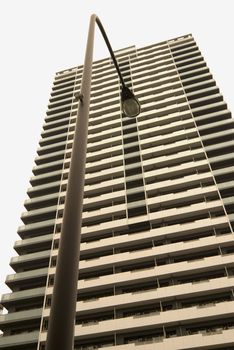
(60, 335)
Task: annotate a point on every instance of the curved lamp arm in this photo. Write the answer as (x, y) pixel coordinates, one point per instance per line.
(130, 104)
(109, 48)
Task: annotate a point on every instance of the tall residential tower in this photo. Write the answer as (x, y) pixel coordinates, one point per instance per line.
(157, 251)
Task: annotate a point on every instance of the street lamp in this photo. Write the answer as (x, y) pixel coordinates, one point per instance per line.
(60, 335)
(130, 105)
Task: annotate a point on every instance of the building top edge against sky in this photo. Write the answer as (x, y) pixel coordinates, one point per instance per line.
(126, 50)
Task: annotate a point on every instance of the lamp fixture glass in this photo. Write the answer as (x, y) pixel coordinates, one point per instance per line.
(130, 105)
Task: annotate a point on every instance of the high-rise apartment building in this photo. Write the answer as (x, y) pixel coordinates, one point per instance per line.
(157, 251)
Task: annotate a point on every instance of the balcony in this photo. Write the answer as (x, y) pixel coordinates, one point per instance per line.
(30, 243)
(25, 295)
(158, 234)
(23, 339)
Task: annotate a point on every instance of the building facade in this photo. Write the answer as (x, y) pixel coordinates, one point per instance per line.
(157, 250)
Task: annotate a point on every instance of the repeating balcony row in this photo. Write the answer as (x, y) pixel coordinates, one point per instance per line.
(217, 136)
(210, 118)
(165, 318)
(146, 51)
(213, 119)
(223, 336)
(111, 71)
(105, 302)
(199, 75)
(89, 188)
(184, 40)
(145, 89)
(151, 51)
(146, 95)
(157, 67)
(172, 116)
(150, 176)
(181, 233)
(112, 133)
(180, 251)
(67, 108)
(207, 264)
(224, 122)
(127, 243)
(206, 104)
(189, 58)
(168, 216)
(109, 191)
(35, 315)
(152, 73)
(168, 98)
(153, 293)
(110, 206)
(107, 123)
(23, 293)
(134, 62)
(156, 74)
(172, 98)
(146, 274)
(141, 311)
(171, 231)
(160, 64)
(220, 117)
(219, 149)
(65, 89)
(100, 95)
(181, 41)
(148, 156)
(100, 65)
(99, 244)
(169, 113)
(106, 175)
(202, 75)
(114, 155)
(48, 188)
(105, 197)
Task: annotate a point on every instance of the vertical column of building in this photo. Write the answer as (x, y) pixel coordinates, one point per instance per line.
(134, 182)
(179, 159)
(104, 162)
(212, 117)
(25, 304)
(69, 102)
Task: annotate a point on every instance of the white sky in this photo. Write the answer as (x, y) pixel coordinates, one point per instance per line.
(41, 37)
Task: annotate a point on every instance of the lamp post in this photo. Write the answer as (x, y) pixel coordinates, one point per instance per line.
(60, 335)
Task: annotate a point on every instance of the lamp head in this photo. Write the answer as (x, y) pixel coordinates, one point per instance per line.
(130, 104)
